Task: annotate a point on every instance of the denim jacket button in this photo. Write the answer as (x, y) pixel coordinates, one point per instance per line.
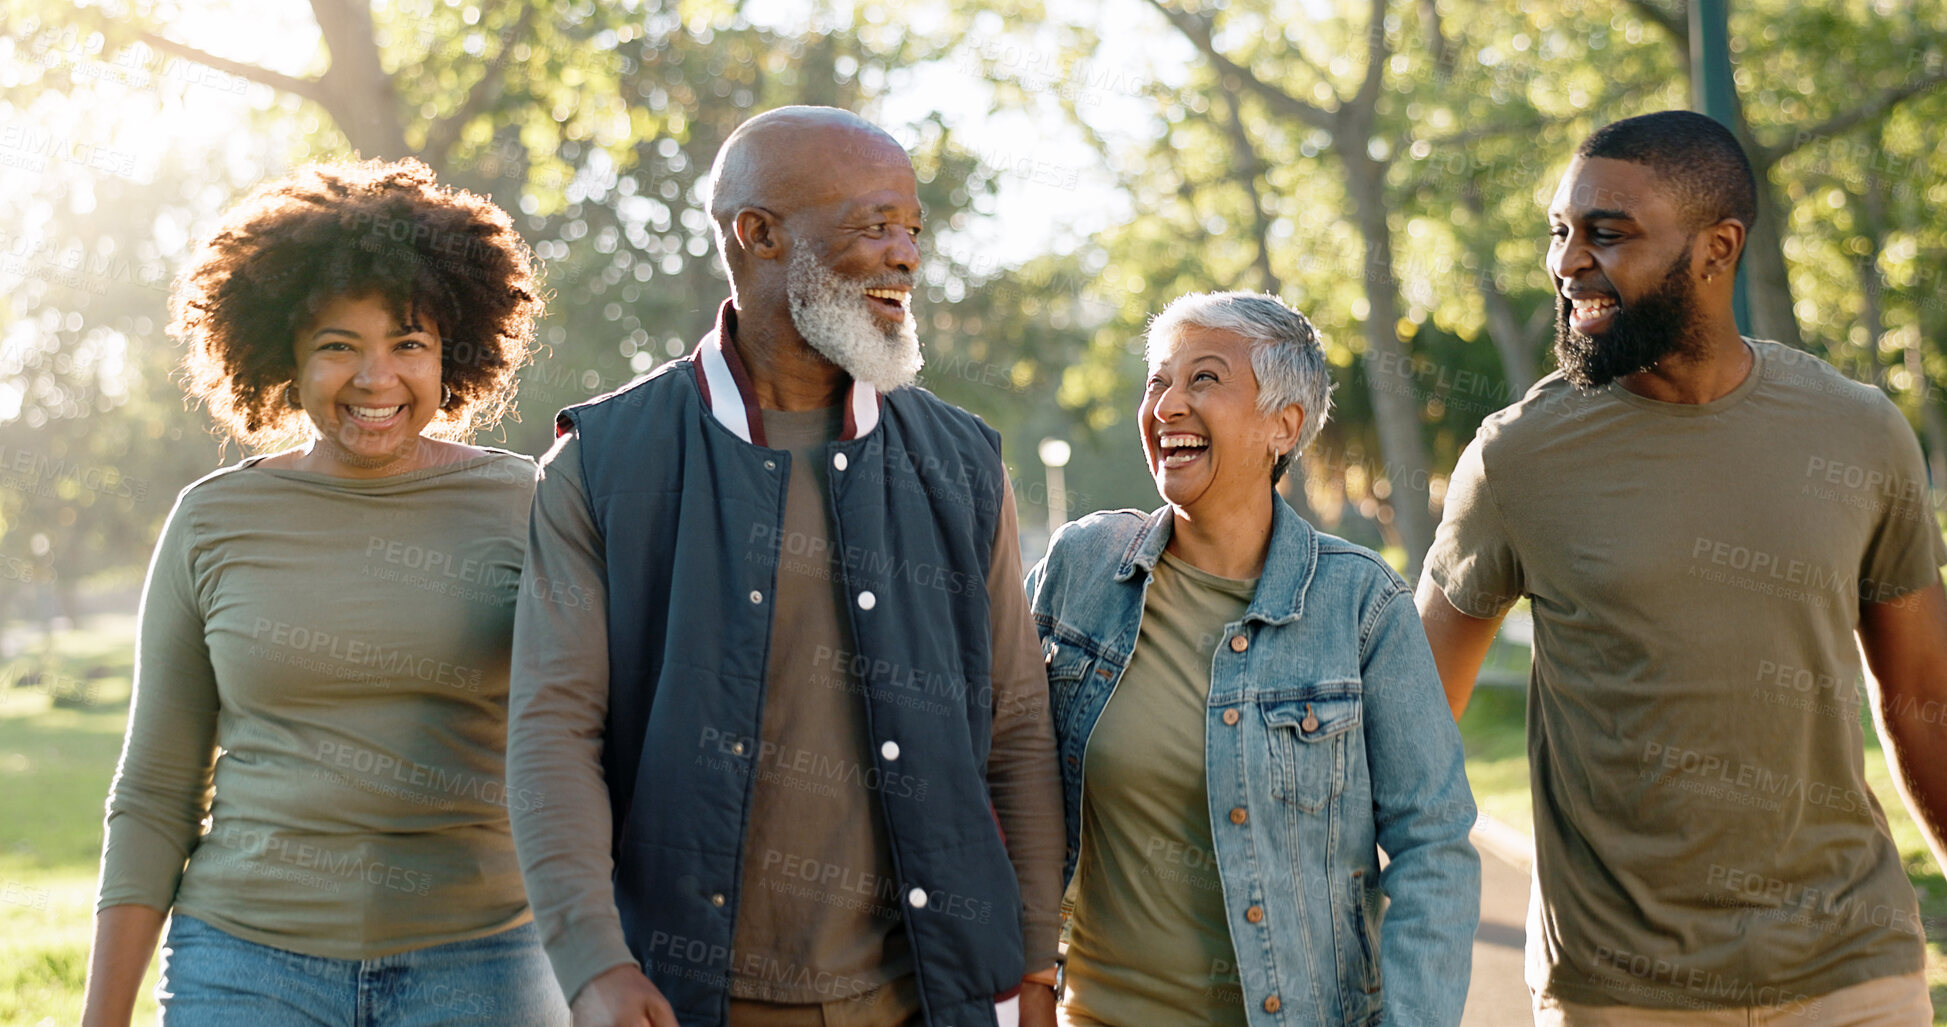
(1231, 717)
(1310, 723)
(1255, 914)
(1272, 1005)
(1238, 643)
(1238, 815)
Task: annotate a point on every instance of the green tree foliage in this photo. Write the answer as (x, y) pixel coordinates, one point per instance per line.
(594, 124)
(1382, 165)
(1402, 210)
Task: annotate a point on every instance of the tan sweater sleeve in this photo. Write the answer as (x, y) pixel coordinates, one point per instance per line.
(558, 701)
(1022, 775)
(161, 789)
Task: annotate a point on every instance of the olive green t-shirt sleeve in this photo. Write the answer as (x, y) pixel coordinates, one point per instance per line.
(1906, 550)
(161, 788)
(1473, 559)
(557, 704)
(1023, 777)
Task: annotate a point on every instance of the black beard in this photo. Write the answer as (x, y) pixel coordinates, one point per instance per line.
(1640, 334)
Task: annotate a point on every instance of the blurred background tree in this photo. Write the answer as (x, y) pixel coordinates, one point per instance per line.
(1381, 164)
(1385, 166)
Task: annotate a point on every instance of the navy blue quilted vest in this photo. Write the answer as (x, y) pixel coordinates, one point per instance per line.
(690, 505)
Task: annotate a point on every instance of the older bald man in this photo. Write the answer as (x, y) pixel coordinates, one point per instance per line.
(774, 678)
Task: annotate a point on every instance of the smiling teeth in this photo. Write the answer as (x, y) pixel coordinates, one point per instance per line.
(1586, 309)
(1181, 441)
(374, 413)
(898, 296)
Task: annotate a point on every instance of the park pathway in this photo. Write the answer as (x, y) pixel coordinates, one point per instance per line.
(1497, 997)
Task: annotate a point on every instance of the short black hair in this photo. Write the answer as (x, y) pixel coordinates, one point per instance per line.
(1705, 168)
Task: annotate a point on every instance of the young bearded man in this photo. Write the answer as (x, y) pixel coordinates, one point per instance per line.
(1701, 524)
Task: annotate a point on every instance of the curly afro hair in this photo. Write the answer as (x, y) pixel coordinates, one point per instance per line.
(369, 228)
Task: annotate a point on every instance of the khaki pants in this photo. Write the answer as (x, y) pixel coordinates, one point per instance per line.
(895, 1005)
(1884, 1002)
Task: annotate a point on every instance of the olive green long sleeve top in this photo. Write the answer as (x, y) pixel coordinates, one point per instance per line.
(315, 748)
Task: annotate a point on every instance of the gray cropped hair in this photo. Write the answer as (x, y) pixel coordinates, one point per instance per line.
(1285, 354)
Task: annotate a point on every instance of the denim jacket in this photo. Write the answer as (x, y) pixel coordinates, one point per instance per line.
(1327, 739)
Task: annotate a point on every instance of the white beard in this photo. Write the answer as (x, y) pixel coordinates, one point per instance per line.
(830, 312)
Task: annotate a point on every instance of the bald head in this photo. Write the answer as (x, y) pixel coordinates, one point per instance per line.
(818, 220)
(791, 157)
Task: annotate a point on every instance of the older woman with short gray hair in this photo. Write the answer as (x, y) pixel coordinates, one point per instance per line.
(1248, 715)
(1284, 353)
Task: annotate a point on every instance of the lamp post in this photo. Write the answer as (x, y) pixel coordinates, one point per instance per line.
(1054, 456)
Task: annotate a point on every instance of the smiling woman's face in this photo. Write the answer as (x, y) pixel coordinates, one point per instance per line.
(369, 385)
(1203, 437)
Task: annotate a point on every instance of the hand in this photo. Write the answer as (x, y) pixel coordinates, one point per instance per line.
(623, 997)
(1037, 1005)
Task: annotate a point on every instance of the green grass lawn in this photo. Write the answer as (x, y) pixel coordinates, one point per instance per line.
(59, 739)
(1494, 733)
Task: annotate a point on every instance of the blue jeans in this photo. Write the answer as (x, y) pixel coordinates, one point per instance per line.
(211, 978)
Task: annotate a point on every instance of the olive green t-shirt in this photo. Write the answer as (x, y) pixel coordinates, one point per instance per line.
(321, 670)
(1148, 942)
(1704, 835)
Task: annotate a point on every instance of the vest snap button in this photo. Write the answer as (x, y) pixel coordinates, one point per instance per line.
(839, 461)
(867, 600)
(890, 750)
(917, 898)
(756, 596)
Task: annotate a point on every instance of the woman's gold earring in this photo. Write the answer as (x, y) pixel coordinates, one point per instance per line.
(445, 396)
(291, 398)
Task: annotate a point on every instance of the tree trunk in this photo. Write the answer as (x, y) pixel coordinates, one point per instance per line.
(1389, 374)
(1509, 334)
(357, 90)
(1766, 282)
(1933, 421)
